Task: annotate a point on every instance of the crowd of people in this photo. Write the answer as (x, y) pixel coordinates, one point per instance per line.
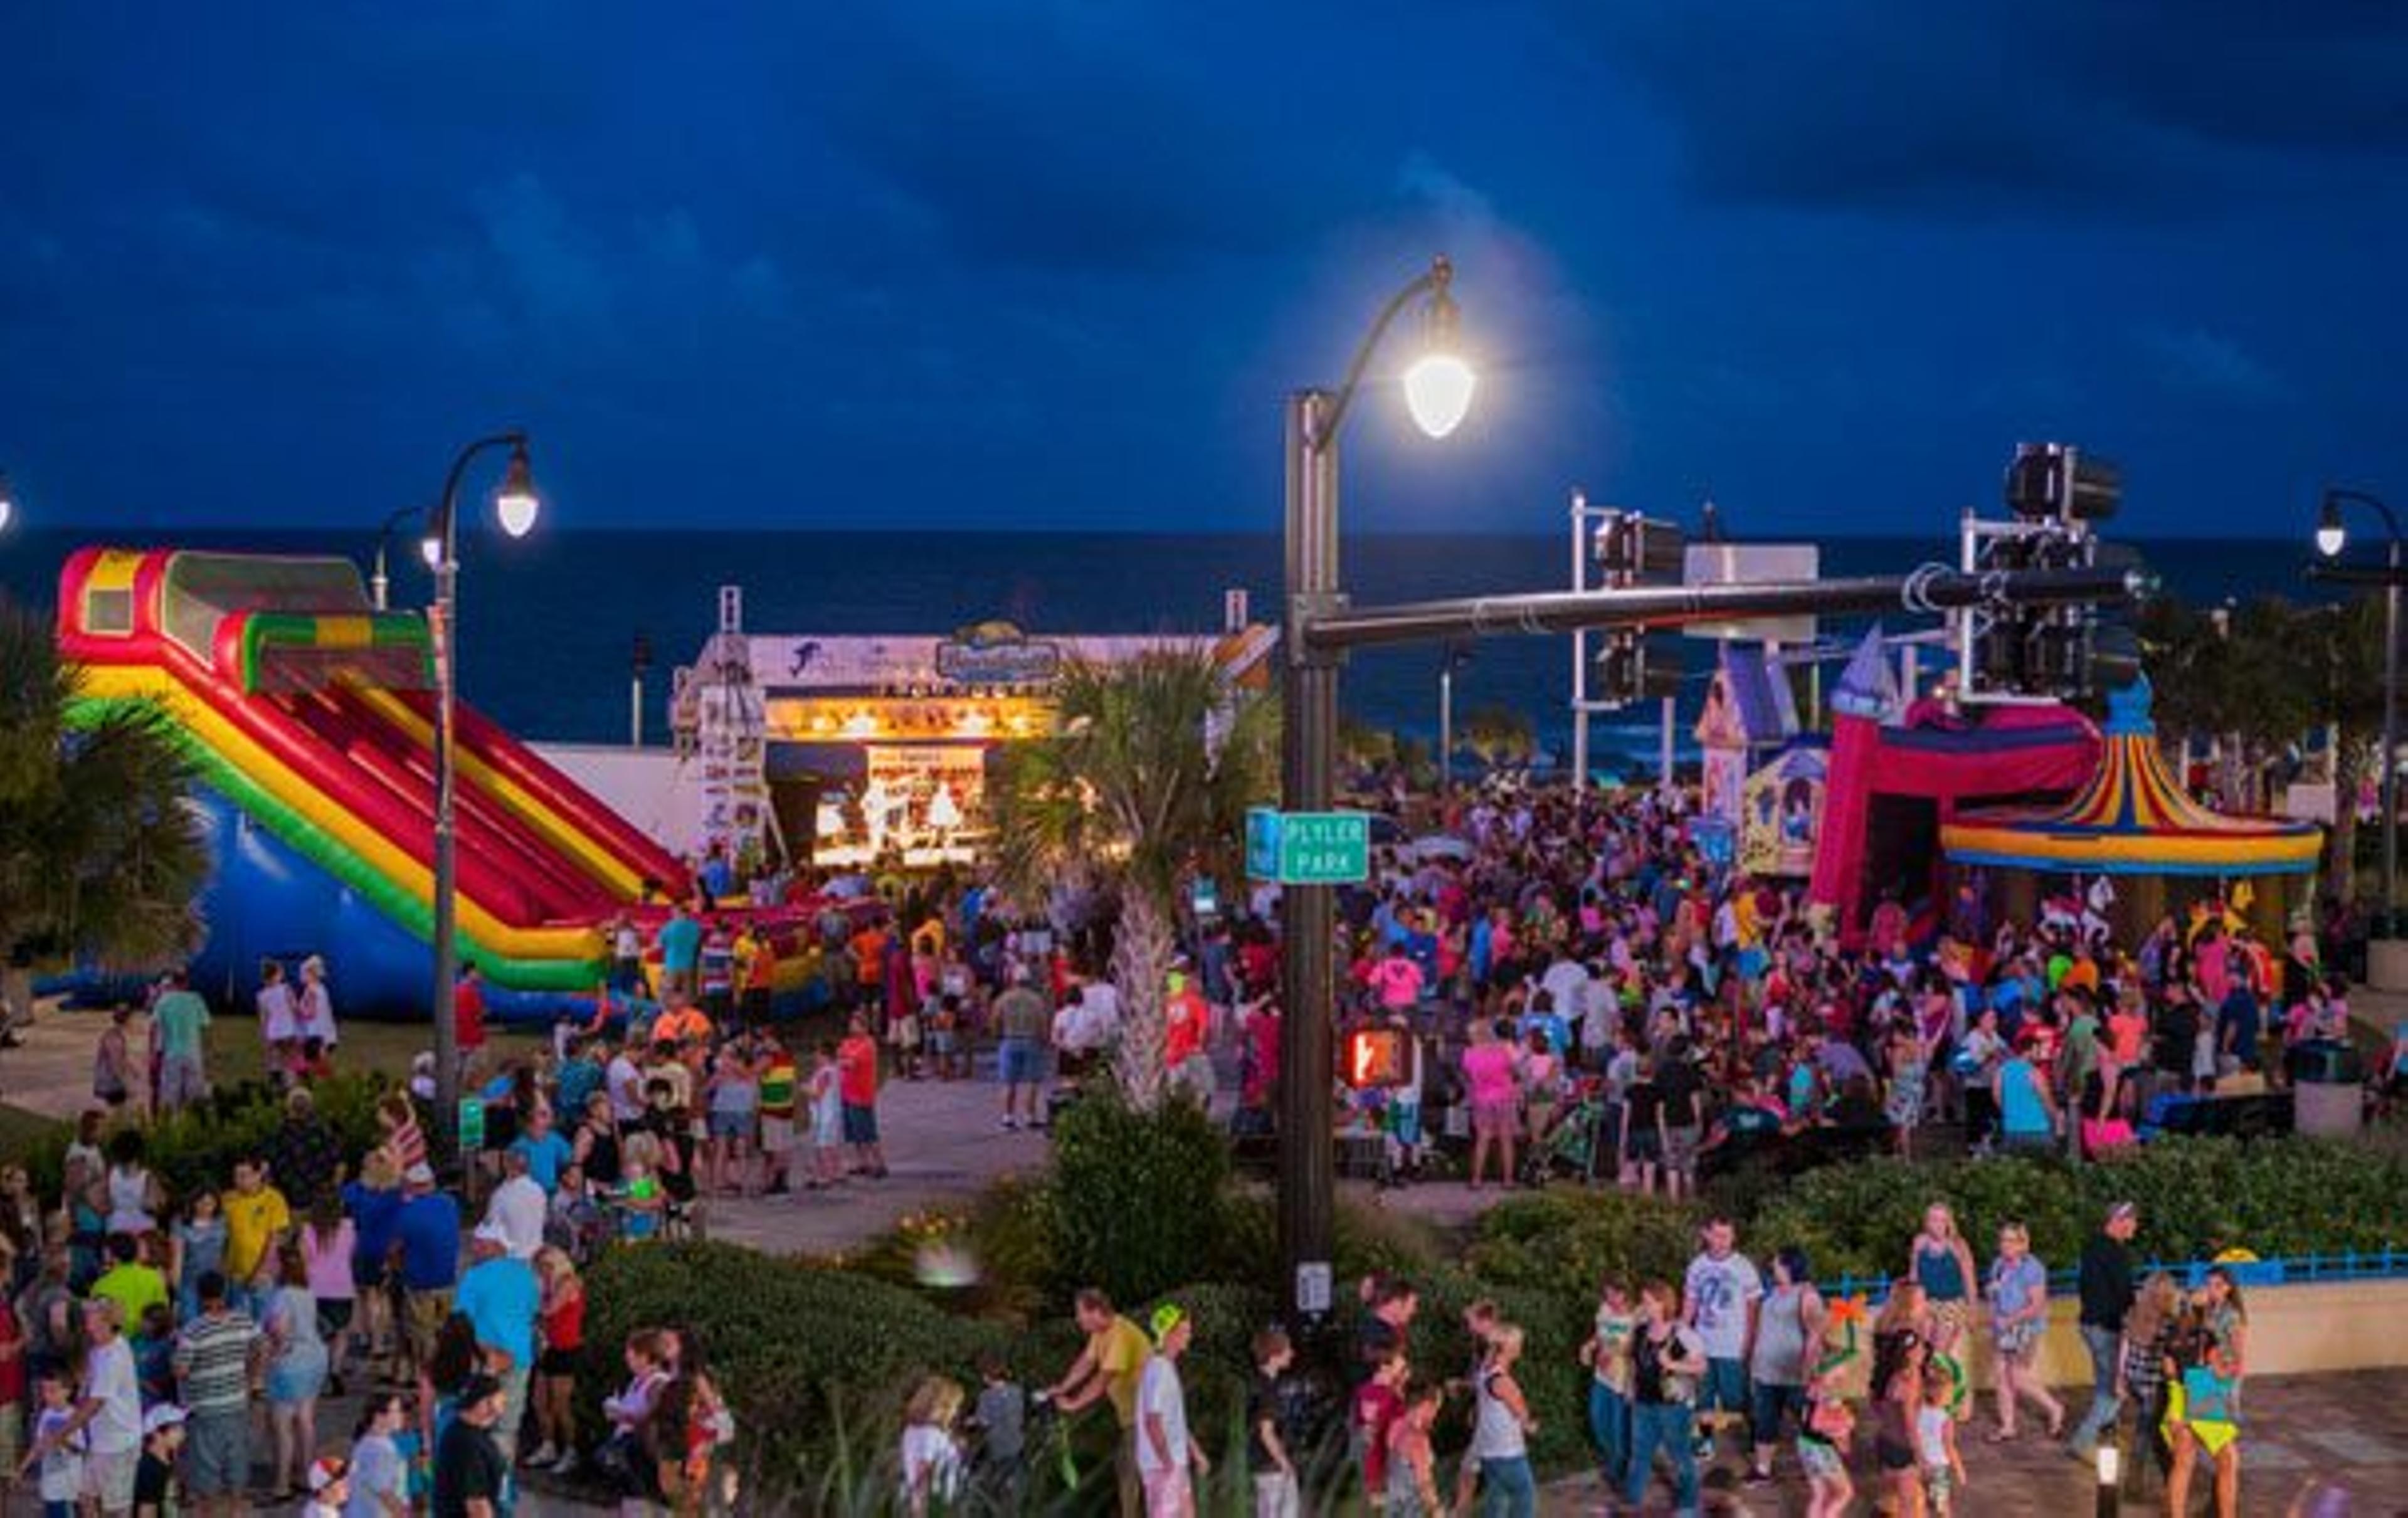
(160, 1347)
(1875, 1403)
(1585, 991)
(1573, 984)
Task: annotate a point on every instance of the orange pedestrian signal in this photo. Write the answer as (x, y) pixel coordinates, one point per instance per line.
(1375, 1057)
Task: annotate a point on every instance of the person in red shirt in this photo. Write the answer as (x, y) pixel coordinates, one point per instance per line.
(1378, 1403)
(468, 1014)
(856, 1084)
(1185, 1019)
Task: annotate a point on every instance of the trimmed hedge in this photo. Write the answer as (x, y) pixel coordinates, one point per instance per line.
(2196, 1196)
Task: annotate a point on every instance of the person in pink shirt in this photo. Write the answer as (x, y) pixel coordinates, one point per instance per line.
(1396, 981)
(1488, 1067)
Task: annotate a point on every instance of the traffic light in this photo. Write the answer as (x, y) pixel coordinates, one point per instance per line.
(1375, 1057)
(1636, 549)
(1634, 666)
(2057, 480)
(2057, 495)
(1633, 549)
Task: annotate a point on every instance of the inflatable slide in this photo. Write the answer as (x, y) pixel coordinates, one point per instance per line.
(308, 718)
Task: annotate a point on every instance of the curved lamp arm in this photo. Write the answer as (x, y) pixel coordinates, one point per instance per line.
(2335, 495)
(441, 523)
(1432, 283)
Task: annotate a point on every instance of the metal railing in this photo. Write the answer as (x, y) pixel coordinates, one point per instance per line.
(2275, 1270)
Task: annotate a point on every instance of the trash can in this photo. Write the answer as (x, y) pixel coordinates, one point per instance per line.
(2328, 1085)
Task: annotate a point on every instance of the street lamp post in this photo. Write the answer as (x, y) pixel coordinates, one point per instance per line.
(515, 505)
(1453, 658)
(2331, 537)
(380, 583)
(1438, 391)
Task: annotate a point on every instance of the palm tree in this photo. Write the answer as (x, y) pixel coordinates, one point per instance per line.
(101, 855)
(1143, 782)
(1499, 735)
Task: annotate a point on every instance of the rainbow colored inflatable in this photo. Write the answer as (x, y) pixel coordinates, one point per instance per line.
(307, 714)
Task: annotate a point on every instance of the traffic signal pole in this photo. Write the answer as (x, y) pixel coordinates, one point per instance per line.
(1547, 613)
(1323, 625)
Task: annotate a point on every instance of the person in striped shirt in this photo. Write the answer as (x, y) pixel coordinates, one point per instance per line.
(215, 1357)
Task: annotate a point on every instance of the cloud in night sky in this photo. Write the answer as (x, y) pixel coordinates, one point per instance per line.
(1054, 264)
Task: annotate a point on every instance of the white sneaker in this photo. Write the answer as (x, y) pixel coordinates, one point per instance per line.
(544, 1456)
(565, 1465)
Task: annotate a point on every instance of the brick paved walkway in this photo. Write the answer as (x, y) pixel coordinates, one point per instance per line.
(2331, 1446)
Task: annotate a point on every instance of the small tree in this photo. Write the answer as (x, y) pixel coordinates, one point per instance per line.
(2256, 676)
(1144, 780)
(101, 854)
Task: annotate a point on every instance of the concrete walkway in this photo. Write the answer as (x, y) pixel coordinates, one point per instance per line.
(2331, 1446)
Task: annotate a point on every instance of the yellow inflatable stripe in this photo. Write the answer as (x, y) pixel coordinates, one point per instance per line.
(113, 569)
(345, 632)
(556, 830)
(2074, 849)
(124, 682)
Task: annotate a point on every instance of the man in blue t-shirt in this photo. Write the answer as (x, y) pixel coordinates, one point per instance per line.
(680, 941)
(499, 1296)
(427, 1228)
(545, 1150)
(2238, 1024)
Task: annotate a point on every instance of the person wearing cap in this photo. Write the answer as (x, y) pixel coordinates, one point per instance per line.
(1110, 1365)
(426, 1230)
(154, 1477)
(1020, 1019)
(470, 1470)
(2106, 1289)
(501, 1299)
(330, 1487)
(1186, 1020)
(1164, 1454)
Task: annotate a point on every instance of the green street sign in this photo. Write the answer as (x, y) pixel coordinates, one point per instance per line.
(1307, 848)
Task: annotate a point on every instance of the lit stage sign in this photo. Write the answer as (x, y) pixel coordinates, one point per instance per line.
(997, 653)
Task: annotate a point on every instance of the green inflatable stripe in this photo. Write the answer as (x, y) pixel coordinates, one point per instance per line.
(386, 630)
(331, 855)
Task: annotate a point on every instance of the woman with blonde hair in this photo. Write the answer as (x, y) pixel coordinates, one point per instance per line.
(560, 1320)
(1500, 1429)
(931, 1457)
(402, 1142)
(1942, 1263)
(2140, 1367)
(2017, 1287)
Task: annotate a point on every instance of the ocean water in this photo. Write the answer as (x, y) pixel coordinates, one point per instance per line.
(547, 624)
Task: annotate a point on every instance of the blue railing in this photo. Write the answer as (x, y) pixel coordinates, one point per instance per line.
(2278, 1270)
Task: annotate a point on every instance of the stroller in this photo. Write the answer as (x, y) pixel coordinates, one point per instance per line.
(1578, 1145)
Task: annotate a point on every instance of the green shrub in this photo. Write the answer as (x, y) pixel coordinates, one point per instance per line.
(1570, 1240)
(815, 1362)
(195, 1148)
(1136, 1198)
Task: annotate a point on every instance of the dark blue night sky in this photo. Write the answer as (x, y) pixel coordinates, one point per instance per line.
(1053, 262)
